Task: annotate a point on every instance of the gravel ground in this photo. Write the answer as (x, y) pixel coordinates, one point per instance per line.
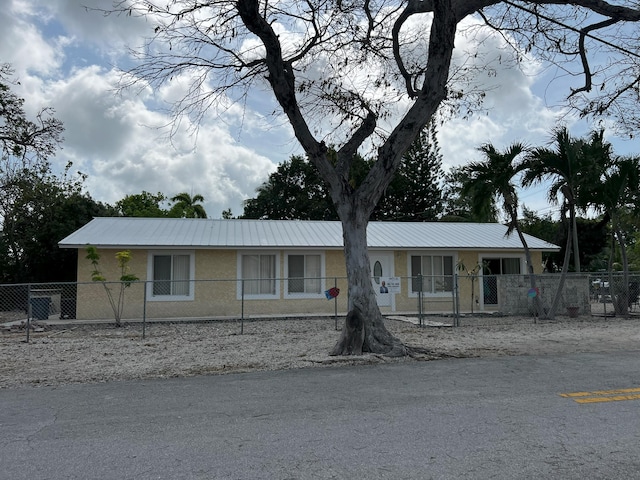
(100, 353)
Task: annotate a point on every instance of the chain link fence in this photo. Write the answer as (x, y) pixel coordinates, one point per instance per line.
(36, 308)
(443, 300)
(615, 294)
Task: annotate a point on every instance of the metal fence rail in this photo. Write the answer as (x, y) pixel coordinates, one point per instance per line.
(441, 299)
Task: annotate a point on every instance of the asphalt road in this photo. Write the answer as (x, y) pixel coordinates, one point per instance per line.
(501, 418)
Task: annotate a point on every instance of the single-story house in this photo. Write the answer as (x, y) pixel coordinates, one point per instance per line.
(207, 268)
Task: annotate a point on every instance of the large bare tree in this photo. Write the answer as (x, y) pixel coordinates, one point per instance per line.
(371, 74)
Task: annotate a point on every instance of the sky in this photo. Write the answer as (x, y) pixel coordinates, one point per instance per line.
(67, 57)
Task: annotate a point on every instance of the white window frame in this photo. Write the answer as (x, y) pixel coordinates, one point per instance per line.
(304, 253)
(260, 296)
(192, 271)
(421, 254)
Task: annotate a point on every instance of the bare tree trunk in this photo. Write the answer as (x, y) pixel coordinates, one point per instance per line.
(364, 329)
(574, 232)
(563, 276)
(537, 304)
(622, 296)
(567, 192)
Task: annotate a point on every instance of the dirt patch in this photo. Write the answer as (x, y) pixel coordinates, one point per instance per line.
(100, 353)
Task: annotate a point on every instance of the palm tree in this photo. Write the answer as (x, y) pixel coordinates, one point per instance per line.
(561, 165)
(490, 181)
(614, 193)
(572, 166)
(187, 206)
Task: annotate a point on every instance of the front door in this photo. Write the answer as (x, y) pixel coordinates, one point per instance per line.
(381, 266)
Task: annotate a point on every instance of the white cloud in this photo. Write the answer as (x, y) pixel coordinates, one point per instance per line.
(107, 35)
(121, 144)
(510, 112)
(117, 139)
(22, 42)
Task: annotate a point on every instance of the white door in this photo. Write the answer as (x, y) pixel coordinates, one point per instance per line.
(381, 266)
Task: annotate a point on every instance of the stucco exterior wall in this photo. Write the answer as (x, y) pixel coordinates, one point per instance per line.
(92, 299)
(217, 292)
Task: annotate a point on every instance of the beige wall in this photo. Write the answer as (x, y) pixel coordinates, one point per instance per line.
(216, 292)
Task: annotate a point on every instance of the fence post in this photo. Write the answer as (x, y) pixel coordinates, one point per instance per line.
(144, 310)
(420, 298)
(29, 310)
(456, 301)
(473, 291)
(241, 306)
(537, 301)
(335, 302)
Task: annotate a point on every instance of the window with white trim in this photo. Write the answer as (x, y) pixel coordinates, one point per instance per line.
(304, 274)
(435, 272)
(171, 275)
(259, 274)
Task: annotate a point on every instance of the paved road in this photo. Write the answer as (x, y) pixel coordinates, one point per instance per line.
(498, 418)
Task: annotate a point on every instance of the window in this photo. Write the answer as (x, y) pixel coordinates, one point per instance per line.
(436, 272)
(377, 271)
(258, 272)
(172, 275)
(492, 268)
(502, 266)
(511, 265)
(304, 274)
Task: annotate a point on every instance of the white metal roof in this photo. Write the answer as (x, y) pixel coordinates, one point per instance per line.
(128, 232)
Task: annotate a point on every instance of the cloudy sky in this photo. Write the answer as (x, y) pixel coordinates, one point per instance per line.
(66, 57)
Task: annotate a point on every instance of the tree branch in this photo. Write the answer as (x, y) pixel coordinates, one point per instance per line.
(432, 92)
(282, 81)
(583, 54)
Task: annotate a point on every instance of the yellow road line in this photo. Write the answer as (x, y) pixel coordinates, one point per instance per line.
(616, 398)
(598, 396)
